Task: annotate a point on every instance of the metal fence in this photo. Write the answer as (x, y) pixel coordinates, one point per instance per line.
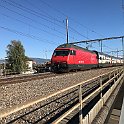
(114, 78)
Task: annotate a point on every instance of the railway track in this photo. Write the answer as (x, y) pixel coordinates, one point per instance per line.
(20, 79)
(25, 78)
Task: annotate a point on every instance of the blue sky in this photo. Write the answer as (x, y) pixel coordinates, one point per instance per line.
(40, 24)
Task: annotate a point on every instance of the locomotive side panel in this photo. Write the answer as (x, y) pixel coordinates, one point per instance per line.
(86, 58)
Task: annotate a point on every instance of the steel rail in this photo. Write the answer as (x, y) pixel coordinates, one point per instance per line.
(21, 79)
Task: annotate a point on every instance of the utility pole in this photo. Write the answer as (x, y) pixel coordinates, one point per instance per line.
(67, 30)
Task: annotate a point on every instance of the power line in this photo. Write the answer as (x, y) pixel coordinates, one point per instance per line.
(23, 8)
(85, 27)
(31, 13)
(78, 32)
(50, 15)
(35, 13)
(53, 8)
(31, 25)
(32, 20)
(26, 35)
(70, 18)
(72, 29)
(39, 8)
(59, 21)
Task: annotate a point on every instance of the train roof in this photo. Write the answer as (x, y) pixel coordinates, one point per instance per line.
(74, 46)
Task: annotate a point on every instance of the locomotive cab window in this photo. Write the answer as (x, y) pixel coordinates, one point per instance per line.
(72, 52)
(61, 53)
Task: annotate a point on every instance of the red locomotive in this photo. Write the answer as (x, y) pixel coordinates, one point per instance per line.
(68, 57)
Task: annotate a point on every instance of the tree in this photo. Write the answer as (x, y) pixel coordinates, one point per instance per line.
(16, 58)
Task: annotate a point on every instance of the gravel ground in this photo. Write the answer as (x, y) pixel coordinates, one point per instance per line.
(14, 94)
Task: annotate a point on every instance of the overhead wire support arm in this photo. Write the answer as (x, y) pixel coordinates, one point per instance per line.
(110, 38)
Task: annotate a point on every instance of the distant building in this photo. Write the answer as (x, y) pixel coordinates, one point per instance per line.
(30, 67)
(30, 64)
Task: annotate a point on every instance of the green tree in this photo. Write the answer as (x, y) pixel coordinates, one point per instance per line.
(16, 58)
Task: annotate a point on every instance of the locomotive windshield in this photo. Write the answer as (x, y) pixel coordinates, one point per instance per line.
(61, 53)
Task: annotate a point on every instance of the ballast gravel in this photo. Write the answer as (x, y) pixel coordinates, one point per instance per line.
(14, 94)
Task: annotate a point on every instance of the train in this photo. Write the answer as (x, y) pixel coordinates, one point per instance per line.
(67, 57)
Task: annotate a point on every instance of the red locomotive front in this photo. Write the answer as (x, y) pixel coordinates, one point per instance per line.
(61, 59)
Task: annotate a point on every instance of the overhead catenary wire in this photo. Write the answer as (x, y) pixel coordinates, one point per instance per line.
(72, 29)
(27, 35)
(15, 4)
(78, 32)
(70, 18)
(44, 2)
(19, 6)
(41, 10)
(32, 19)
(37, 14)
(28, 24)
(28, 10)
(46, 26)
(87, 28)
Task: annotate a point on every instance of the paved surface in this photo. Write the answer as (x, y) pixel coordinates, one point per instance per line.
(114, 116)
